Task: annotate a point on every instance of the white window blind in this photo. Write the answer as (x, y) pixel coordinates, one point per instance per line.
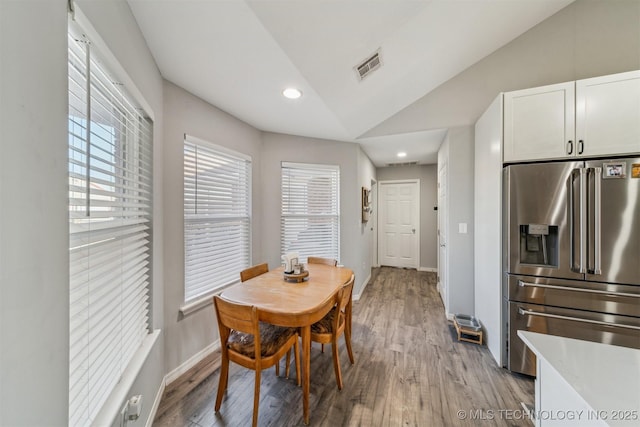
(217, 195)
(310, 221)
(110, 177)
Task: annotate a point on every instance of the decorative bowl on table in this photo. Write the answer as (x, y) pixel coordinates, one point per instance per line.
(298, 274)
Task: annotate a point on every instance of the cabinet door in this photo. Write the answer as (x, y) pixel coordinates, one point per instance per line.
(539, 123)
(608, 114)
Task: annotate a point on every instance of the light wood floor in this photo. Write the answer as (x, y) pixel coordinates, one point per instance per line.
(410, 370)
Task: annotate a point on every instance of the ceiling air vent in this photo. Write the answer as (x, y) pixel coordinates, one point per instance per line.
(402, 164)
(370, 64)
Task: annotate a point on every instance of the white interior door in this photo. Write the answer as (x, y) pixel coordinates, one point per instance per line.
(398, 223)
(442, 232)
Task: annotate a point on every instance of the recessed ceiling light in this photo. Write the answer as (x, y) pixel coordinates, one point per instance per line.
(402, 154)
(292, 93)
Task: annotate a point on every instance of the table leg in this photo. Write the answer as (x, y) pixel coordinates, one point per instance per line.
(306, 365)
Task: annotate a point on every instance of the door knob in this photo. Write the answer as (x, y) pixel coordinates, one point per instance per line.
(413, 230)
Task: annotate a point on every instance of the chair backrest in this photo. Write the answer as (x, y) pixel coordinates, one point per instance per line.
(343, 298)
(344, 295)
(254, 271)
(239, 317)
(320, 260)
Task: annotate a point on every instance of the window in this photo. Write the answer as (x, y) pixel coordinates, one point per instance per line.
(110, 207)
(217, 221)
(310, 222)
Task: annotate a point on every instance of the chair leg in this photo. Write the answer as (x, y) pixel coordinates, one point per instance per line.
(347, 339)
(296, 355)
(278, 369)
(322, 347)
(288, 360)
(336, 362)
(222, 384)
(347, 336)
(256, 397)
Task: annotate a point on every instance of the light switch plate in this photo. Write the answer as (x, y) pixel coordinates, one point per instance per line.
(462, 228)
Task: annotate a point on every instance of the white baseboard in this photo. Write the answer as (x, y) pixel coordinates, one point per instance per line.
(357, 296)
(431, 269)
(191, 362)
(156, 403)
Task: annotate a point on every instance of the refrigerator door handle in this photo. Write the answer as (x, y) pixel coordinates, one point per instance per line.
(522, 312)
(583, 220)
(597, 215)
(577, 238)
(568, 288)
(594, 215)
(572, 225)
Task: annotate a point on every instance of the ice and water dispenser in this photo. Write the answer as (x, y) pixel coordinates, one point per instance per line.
(539, 244)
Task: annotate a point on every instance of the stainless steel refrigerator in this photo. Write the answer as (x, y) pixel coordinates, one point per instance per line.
(571, 253)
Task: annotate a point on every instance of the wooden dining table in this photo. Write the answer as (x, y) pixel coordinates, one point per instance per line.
(293, 304)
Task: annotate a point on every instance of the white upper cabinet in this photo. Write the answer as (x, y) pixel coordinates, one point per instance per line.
(608, 114)
(588, 118)
(539, 123)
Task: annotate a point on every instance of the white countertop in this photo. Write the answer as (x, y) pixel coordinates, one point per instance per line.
(607, 377)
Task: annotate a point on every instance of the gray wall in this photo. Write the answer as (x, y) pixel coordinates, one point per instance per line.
(457, 151)
(588, 38)
(428, 176)
(187, 114)
(34, 279)
(365, 239)
(34, 284)
(287, 148)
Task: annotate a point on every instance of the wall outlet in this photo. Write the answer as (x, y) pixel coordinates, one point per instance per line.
(134, 408)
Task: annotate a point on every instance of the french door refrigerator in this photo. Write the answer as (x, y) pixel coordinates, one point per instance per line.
(571, 253)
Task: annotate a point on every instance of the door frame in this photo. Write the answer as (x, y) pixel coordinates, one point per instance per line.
(379, 227)
(374, 223)
(442, 225)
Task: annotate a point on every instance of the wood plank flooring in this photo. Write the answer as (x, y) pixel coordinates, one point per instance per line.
(410, 370)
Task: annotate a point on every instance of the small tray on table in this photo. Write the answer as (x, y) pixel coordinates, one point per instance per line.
(296, 277)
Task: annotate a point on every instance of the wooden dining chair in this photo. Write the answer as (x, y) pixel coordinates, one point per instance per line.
(251, 343)
(335, 323)
(320, 260)
(325, 261)
(251, 272)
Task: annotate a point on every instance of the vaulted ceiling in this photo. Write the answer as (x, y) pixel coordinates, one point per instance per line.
(239, 55)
